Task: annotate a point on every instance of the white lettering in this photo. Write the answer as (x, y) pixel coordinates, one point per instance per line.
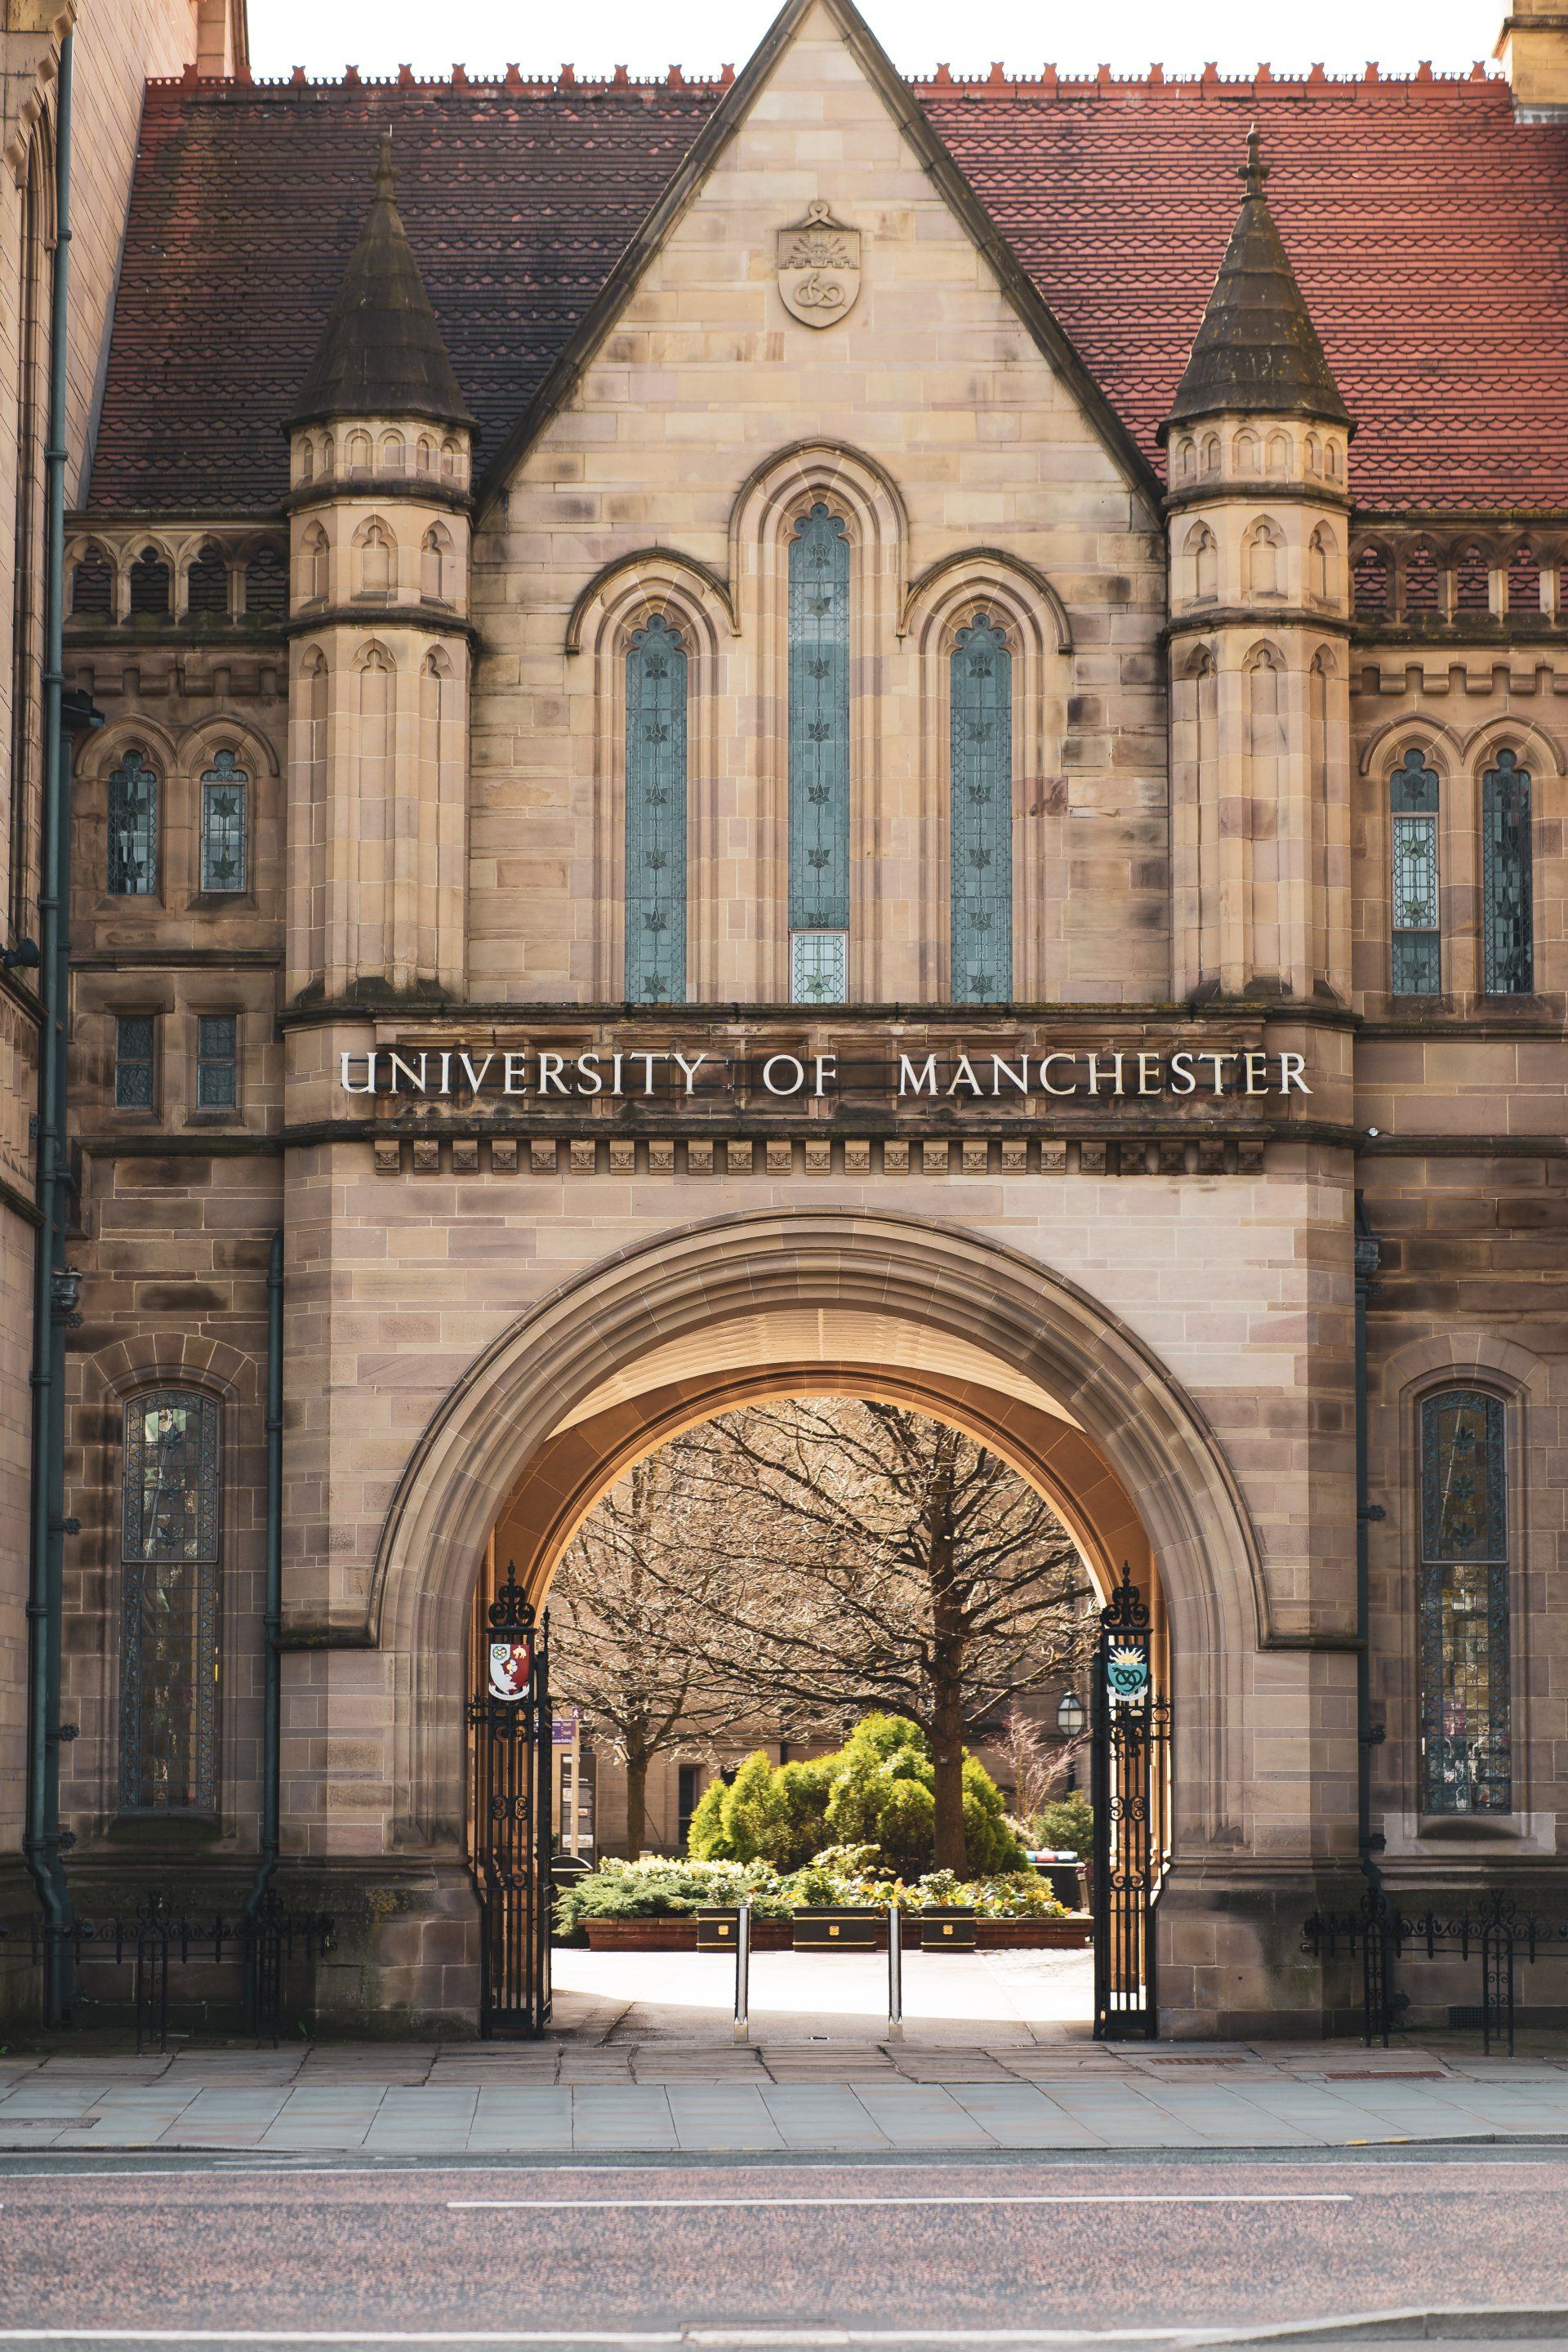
(1255, 1067)
(826, 1066)
(964, 1077)
(1046, 1061)
(476, 1078)
(1217, 1062)
(647, 1061)
(1148, 1069)
(1290, 1069)
(1018, 1077)
(1183, 1081)
(688, 1069)
(348, 1084)
(515, 1073)
(589, 1081)
(415, 1082)
(1095, 1074)
(550, 1081)
(772, 1064)
(916, 1082)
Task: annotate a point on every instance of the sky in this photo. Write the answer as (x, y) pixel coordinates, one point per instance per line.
(647, 36)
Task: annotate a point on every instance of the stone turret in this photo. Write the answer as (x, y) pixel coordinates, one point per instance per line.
(1257, 512)
(381, 445)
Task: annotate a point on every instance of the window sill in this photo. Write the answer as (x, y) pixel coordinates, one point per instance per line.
(1468, 1837)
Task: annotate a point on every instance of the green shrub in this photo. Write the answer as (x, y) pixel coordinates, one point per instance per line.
(1070, 1822)
(661, 1887)
(750, 1811)
(705, 1839)
(989, 1845)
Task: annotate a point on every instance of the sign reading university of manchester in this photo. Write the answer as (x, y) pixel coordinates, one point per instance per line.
(676, 1075)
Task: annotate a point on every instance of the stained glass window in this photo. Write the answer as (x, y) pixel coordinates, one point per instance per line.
(656, 815)
(218, 1061)
(981, 799)
(1412, 802)
(1508, 947)
(1466, 1765)
(819, 739)
(133, 1072)
(819, 967)
(132, 829)
(224, 797)
(169, 1569)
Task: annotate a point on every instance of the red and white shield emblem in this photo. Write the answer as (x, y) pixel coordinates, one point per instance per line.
(512, 1669)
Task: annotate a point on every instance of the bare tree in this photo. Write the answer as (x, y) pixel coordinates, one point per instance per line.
(1038, 1763)
(640, 1573)
(873, 1557)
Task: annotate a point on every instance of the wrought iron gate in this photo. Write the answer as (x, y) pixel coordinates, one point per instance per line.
(510, 1729)
(1130, 1725)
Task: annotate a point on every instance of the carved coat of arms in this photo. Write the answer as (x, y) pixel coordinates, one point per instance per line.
(819, 268)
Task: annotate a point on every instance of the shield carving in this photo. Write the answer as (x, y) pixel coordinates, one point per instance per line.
(819, 268)
(512, 1670)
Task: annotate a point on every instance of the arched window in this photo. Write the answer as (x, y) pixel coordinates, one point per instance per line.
(1524, 583)
(149, 587)
(819, 760)
(314, 559)
(981, 820)
(1279, 454)
(1412, 800)
(225, 794)
(1371, 576)
(307, 458)
(207, 586)
(1244, 451)
(1265, 551)
(1184, 457)
(435, 566)
(132, 829)
(1202, 581)
(1506, 945)
(393, 451)
(357, 452)
(169, 1538)
(425, 455)
(1472, 582)
(374, 551)
(1320, 554)
(266, 585)
(1314, 448)
(656, 815)
(1463, 1605)
(1211, 453)
(92, 586)
(1423, 585)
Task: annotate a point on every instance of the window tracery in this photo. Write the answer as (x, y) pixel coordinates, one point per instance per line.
(819, 757)
(982, 814)
(1507, 914)
(132, 828)
(1413, 799)
(655, 676)
(1463, 1605)
(169, 1534)
(223, 843)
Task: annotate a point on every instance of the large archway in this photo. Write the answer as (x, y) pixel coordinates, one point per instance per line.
(616, 1359)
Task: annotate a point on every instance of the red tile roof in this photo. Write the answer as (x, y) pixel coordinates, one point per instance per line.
(1429, 233)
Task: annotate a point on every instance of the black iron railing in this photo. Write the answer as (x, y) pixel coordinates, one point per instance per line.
(160, 1936)
(1491, 1932)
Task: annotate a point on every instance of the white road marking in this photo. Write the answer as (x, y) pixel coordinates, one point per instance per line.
(750, 2204)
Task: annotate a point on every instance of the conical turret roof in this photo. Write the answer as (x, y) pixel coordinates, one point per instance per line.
(382, 352)
(1257, 351)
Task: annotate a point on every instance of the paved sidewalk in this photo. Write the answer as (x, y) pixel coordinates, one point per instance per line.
(670, 2097)
(995, 2054)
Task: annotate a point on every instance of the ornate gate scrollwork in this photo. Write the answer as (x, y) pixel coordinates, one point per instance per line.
(1130, 1724)
(510, 1727)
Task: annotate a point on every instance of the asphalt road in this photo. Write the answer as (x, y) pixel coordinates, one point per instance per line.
(235, 2249)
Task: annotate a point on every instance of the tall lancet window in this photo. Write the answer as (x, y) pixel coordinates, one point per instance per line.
(169, 1582)
(1508, 948)
(1418, 939)
(656, 815)
(819, 760)
(1463, 1602)
(982, 700)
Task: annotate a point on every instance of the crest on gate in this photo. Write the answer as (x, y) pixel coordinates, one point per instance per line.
(1126, 1669)
(819, 268)
(512, 1669)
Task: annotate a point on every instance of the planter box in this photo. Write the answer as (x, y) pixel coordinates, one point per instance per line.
(679, 1934)
(674, 1934)
(1071, 1934)
(844, 1930)
(946, 1927)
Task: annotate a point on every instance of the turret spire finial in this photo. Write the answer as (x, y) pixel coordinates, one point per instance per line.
(1254, 171)
(385, 172)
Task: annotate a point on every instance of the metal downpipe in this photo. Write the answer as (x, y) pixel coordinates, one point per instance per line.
(272, 1603)
(1368, 1735)
(41, 1839)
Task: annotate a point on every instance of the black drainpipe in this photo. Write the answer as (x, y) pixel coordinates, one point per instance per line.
(54, 1287)
(1368, 1734)
(273, 1604)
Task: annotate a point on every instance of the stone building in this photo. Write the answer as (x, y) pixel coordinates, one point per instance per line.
(758, 739)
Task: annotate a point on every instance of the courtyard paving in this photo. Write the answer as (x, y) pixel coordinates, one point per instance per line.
(996, 2054)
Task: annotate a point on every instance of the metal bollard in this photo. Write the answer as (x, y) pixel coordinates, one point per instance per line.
(895, 1974)
(743, 1973)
